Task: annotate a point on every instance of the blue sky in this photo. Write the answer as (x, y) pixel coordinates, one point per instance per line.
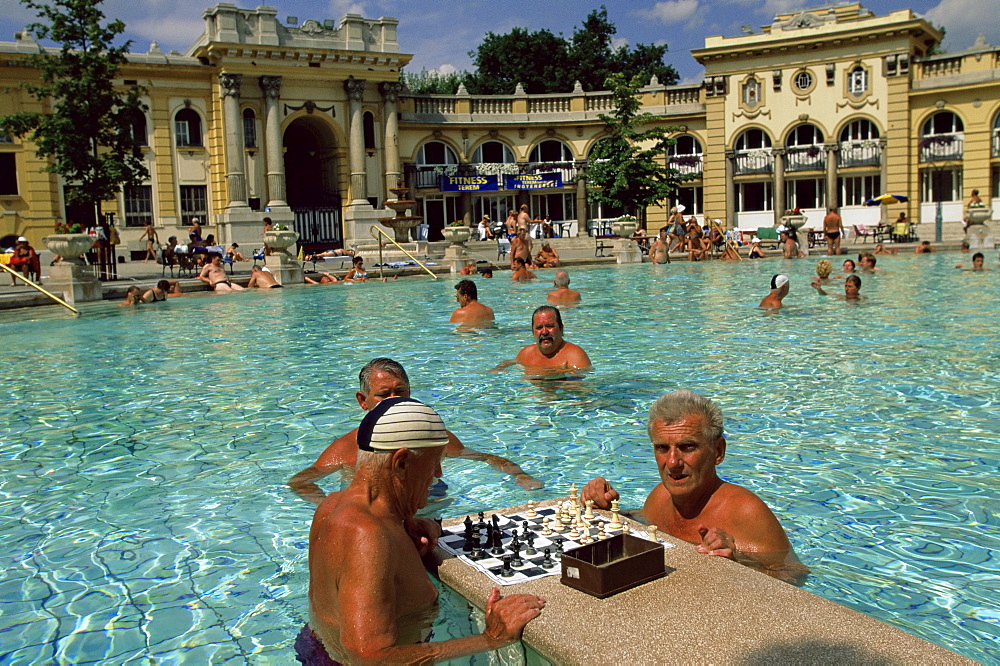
(441, 32)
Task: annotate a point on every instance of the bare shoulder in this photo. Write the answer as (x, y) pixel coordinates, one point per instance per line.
(342, 451)
(751, 522)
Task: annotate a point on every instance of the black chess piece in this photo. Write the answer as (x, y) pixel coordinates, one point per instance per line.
(496, 539)
(470, 542)
(468, 526)
(516, 560)
(496, 522)
(506, 572)
(478, 553)
(531, 550)
(525, 531)
(559, 549)
(547, 562)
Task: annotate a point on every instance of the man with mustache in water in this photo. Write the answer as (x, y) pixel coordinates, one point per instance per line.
(370, 598)
(692, 503)
(550, 354)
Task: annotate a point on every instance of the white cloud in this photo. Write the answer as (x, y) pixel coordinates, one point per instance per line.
(963, 21)
(670, 11)
(618, 42)
(446, 69)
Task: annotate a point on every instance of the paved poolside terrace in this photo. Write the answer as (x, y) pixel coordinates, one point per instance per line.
(580, 251)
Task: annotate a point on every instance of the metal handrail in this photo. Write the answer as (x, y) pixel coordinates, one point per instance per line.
(401, 249)
(39, 288)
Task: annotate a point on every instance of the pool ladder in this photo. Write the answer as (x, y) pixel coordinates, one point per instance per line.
(48, 293)
(377, 233)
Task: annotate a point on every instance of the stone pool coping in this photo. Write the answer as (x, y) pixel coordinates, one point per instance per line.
(708, 610)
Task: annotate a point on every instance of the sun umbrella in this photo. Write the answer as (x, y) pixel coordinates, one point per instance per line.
(884, 199)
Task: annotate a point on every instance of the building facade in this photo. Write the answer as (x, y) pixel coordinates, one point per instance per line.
(309, 124)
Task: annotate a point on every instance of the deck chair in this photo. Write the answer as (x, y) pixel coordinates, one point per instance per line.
(863, 232)
(769, 236)
(503, 246)
(167, 260)
(258, 255)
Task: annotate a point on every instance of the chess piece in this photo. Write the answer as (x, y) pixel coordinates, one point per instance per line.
(574, 531)
(602, 535)
(566, 513)
(556, 525)
(470, 542)
(531, 550)
(524, 529)
(616, 521)
(652, 533)
(589, 515)
(516, 560)
(559, 549)
(573, 493)
(506, 572)
(496, 540)
(585, 537)
(545, 527)
(626, 528)
(531, 513)
(547, 562)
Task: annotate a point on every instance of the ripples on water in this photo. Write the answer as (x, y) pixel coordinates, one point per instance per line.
(144, 510)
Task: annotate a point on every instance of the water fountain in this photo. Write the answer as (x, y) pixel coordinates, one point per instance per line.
(401, 223)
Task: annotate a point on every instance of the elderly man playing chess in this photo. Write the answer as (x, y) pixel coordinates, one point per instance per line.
(370, 598)
(692, 503)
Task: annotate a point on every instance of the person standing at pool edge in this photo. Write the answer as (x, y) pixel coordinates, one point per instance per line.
(379, 379)
(692, 503)
(369, 595)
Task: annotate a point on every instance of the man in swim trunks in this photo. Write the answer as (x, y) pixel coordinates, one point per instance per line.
(833, 227)
(977, 263)
(550, 354)
(547, 257)
(779, 289)
(520, 248)
(470, 310)
(261, 279)
(379, 379)
(692, 503)
(369, 595)
(214, 275)
(562, 294)
(659, 250)
(524, 219)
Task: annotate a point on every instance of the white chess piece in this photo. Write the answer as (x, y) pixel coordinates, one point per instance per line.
(573, 532)
(586, 538)
(566, 513)
(589, 514)
(573, 493)
(601, 534)
(652, 533)
(625, 528)
(616, 521)
(545, 527)
(531, 511)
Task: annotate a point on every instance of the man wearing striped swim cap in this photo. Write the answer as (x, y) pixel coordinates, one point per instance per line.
(779, 289)
(368, 591)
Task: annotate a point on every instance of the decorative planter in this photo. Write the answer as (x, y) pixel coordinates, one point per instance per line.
(280, 241)
(793, 221)
(69, 246)
(978, 215)
(457, 235)
(624, 228)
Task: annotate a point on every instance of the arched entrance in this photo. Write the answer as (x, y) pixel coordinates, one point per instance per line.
(311, 180)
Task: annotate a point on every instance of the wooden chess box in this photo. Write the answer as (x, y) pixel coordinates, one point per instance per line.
(604, 568)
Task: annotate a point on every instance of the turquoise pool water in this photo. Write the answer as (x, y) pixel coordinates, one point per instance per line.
(143, 511)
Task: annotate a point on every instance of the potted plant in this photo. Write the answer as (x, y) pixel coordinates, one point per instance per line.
(69, 241)
(279, 238)
(457, 232)
(624, 226)
(794, 218)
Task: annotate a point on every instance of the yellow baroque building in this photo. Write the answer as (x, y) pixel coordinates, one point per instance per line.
(309, 125)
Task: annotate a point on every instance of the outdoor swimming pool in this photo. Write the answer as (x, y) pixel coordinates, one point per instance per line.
(143, 506)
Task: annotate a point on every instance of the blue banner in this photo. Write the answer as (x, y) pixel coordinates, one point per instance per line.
(468, 183)
(533, 181)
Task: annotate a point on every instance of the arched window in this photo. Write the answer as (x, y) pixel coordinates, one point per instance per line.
(753, 152)
(187, 127)
(753, 139)
(943, 122)
(369, 127)
(942, 137)
(805, 135)
(551, 150)
(859, 145)
(996, 136)
(861, 129)
(137, 123)
(493, 152)
(685, 156)
(804, 146)
(436, 153)
(249, 129)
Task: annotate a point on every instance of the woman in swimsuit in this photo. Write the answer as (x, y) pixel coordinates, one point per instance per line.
(357, 274)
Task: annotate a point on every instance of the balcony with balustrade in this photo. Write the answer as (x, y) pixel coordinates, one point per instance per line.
(805, 158)
(942, 147)
(759, 160)
(687, 165)
(866, 152)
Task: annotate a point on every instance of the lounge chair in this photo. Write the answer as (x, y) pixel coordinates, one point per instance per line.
(768, 236)
(863, 232)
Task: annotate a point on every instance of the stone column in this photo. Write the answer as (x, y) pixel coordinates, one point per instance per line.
(731, 190)
(390, 93)
(779, 184)
(883, 165)
(271, 85)
(355, 91)
(832, 195)
(235, 178)
(581, 205)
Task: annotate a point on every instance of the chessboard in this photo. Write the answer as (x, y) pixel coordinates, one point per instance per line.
(514, 548)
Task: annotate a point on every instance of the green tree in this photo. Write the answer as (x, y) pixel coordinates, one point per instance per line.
(627, 168)
(593, 60)
(88, 136)
(432, 83)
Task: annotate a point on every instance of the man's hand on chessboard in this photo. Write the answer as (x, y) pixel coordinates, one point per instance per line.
(599, 490)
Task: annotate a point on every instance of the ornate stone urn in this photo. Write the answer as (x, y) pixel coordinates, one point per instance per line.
(457, 235)
(280, 241)
(978, 215)
(69, 246)
(626, 250)
(624, 228)
(793, 221)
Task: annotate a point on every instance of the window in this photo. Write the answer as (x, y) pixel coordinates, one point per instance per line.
(249, 129)
(996, 136)
(5, 138)
(805, 193)
(755, 196)
(859, 130)
(751, 93)
(803, 81)
(436, 153)
(138, 205)
(8, 174)
(943, 122)
(685, 155)
(187, 127)
(495, 207)
(857, 81)
(369, 130)
(940, 185)
(137, 122)
(194, 203)
(604, 211)
(492, 152)
(692, 198)
(856, 190)
(551, 151)
(753, 139)
(805, 135)
(558, 206)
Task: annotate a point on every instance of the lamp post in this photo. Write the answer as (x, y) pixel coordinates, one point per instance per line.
(936, 195)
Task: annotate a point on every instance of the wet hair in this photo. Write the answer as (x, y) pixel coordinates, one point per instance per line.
(386, 365)
(487, 271)
(869, 256)
(547, 308)
(823, 268)
(978, 255)
(674, 406)
(468, 289)
(519, 260)
(357, 260)
(561, 279)
(163, 285)
(853, 279)
(851, 261)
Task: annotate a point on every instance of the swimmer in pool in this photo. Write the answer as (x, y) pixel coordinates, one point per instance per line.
(852, 288)
(977, 263)
(550, 354)
(562, 293)
(779, 289)
(470, 310)
(384, 378)
(370, 599)
(261, 279)
(692, 503)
